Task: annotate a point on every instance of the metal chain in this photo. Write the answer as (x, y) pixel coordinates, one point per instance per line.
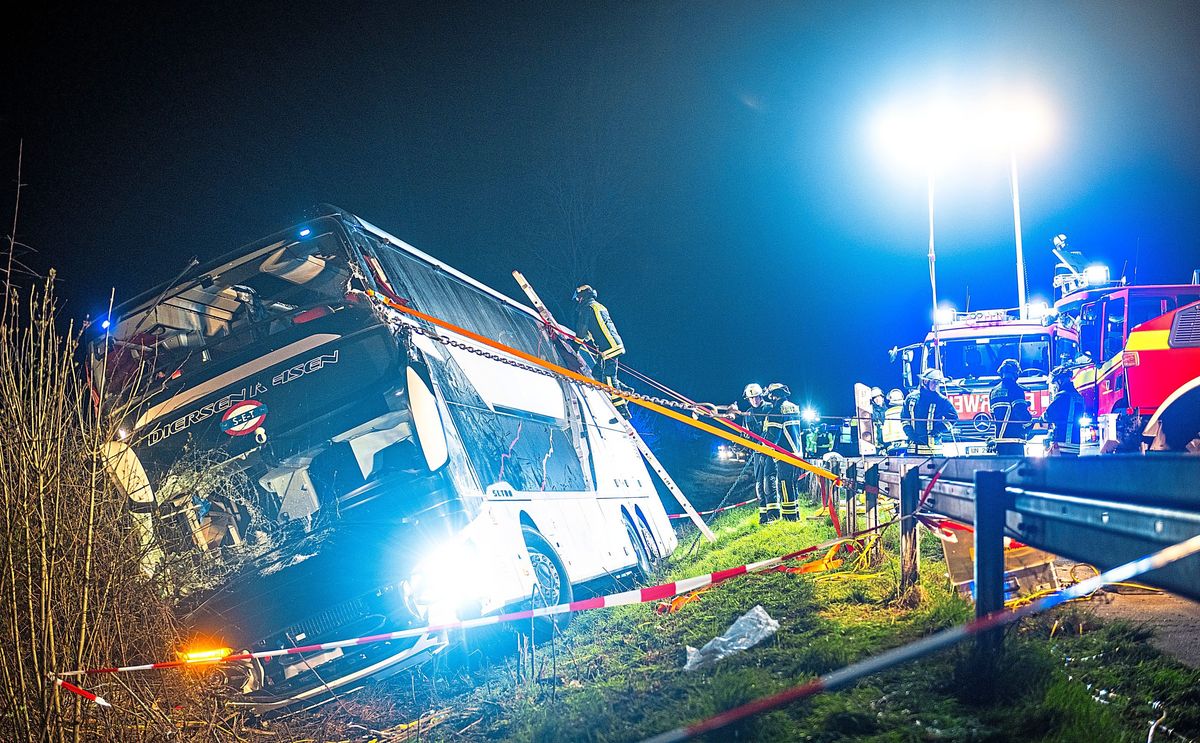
(448, 341)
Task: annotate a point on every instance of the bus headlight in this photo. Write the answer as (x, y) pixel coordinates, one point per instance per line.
(447, 583)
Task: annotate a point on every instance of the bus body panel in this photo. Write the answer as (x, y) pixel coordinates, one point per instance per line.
(374, 455)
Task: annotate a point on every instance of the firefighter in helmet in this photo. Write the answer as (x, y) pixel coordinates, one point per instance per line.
(893, 438)
(594, 328)
(783, 428)
(763, 467)
(1063, 414)
(1010, 410)
(928, 414)
(878, 413)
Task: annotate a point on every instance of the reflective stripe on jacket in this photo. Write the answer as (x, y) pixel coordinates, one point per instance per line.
(594, 325)
(893, 426)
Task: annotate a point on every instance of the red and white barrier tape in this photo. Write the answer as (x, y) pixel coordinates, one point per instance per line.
(82, 692)
(636, 596)
(853, 673)
(715, 510)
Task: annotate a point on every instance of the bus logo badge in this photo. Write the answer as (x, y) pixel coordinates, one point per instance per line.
(243, 418)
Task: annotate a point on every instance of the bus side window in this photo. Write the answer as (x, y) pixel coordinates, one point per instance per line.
(1114, 328)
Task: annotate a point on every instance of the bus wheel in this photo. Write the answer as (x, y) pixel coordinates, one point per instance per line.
(552, 585)
(645, 549)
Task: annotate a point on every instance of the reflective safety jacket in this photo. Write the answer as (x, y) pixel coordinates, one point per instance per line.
(783, 426)
(893, 425)
(927, 415)
(1063, 414)
(593, 325)
(1010, 410)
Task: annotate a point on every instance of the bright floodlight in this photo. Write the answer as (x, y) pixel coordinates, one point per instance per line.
(809, 415)
(1038, 309)
(921, 136)
(1017, 120)
(944, 315)
(1096, 274)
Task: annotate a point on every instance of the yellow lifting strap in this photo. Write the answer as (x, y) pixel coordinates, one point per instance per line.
(549, 366)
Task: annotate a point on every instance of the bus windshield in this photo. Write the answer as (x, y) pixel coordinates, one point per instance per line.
(974, 358)
(222, 313)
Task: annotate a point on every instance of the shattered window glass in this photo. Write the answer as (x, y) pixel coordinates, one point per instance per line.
(523, 440)
(223, 313)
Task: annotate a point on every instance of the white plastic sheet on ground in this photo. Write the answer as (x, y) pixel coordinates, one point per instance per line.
(750, 629)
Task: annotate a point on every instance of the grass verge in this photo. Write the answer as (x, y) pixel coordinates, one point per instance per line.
(617, 674)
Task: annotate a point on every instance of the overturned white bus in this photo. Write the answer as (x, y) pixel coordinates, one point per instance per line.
(382, 478)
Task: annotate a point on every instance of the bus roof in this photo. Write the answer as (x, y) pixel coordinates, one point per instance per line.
(196, 271)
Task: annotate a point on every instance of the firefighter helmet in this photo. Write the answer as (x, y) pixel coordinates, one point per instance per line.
(1009, 368)
(584, 293)
(895, 397)
(933, 375)
(1061, 375)
(876, 392)
(753, 390)
(778, 389)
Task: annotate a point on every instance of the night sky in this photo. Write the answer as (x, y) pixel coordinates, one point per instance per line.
(717, 159)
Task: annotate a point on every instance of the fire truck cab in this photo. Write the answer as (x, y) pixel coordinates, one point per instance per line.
(969, 346)
(1139, 344)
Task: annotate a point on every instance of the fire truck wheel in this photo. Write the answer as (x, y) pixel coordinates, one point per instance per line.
(552, 586)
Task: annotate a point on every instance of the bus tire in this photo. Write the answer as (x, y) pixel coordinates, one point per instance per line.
(644, 566)
(644, 544)
(552, 586)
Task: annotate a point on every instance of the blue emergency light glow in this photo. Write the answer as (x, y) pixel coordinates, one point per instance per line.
(1096, 274)
(1085, 421)
(105, 324)
(305, 232)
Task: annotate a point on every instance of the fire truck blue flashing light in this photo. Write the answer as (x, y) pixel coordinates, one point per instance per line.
(1096, 274)
(305, 232)
(105, 324)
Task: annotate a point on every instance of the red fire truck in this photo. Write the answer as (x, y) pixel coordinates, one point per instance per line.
(1138, 345)
(969, 346)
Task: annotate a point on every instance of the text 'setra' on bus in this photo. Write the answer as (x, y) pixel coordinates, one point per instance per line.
(302, 466)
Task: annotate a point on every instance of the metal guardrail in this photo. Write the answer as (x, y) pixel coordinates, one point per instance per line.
(1101, 510)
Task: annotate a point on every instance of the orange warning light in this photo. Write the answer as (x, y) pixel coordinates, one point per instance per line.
(205, 656)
